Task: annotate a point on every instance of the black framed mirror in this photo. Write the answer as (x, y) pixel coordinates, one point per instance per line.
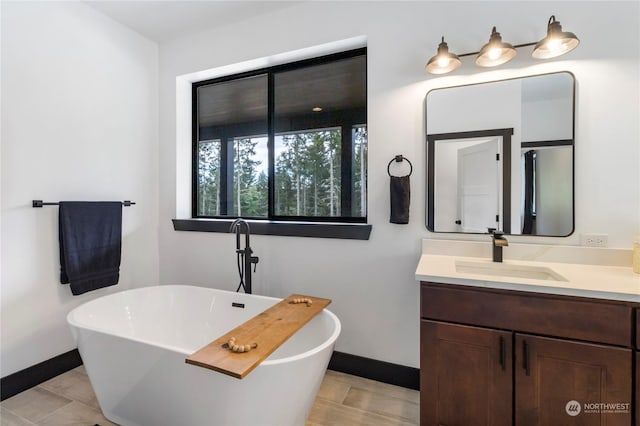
(501, 155)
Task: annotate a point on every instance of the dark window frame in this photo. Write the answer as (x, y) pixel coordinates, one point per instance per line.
(343, 226)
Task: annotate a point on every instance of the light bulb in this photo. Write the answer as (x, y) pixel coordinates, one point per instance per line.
(554, 44)
(443, 61)
(494, 53)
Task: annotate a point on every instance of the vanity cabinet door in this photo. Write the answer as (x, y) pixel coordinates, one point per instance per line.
(465, 375)
(637, 406)
(550, 374)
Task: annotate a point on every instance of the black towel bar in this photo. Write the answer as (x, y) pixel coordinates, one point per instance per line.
(40, 203)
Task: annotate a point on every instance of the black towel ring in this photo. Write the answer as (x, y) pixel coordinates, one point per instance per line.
(398, 159)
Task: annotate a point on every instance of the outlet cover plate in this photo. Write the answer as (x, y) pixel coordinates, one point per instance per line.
(594, 240)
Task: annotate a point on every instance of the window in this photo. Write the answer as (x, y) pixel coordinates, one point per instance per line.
(286, 143)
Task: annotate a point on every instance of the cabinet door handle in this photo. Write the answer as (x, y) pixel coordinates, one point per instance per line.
(503, 354)
(525, 358)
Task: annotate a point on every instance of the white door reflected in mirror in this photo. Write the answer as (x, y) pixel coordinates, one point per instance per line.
(469, 185)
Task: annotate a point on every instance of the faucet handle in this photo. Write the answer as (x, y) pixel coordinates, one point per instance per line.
(255, 260)
(495, 233)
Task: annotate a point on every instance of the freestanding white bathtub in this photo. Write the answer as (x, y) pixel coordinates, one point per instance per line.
(134, 344)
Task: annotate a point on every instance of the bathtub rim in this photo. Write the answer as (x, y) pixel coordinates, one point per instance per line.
(319, 348)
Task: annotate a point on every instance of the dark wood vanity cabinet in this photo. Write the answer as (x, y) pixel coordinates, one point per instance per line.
(552, 372)
(637, 354)
(493, 357)
(465, 375)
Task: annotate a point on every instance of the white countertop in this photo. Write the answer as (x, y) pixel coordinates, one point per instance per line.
(589, 273)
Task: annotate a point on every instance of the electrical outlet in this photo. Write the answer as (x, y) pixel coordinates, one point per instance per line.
(594, 240)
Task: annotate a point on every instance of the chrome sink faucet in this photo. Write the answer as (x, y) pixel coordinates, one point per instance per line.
(497, 242)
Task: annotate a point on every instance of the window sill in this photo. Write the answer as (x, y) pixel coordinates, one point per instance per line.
(345, 231)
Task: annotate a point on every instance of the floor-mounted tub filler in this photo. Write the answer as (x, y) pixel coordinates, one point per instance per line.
(134, 344)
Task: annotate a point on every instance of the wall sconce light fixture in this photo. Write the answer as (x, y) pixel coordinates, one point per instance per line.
(496, 52)
(556, 42)
(444, 61)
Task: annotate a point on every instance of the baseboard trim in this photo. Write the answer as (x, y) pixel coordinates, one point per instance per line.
(368, 368)
(386, 372)
(32, 376)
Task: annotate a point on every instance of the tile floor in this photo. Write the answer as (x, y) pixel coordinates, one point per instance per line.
(343, 400)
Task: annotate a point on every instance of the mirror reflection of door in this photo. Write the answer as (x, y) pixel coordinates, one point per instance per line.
(479, 186)
(469, 184)
(539, 112)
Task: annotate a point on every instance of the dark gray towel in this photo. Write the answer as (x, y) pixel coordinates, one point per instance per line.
(90, 235)
(400, 199)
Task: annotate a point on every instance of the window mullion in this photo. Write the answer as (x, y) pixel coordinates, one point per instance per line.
(222, 201)
(230, 175)
(346, 175)
(271, 145)
(226, 175)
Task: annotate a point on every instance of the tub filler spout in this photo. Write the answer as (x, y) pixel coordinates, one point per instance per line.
(245, 258)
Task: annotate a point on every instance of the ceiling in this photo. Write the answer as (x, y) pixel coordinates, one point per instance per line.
(336, 86)
(165, 20)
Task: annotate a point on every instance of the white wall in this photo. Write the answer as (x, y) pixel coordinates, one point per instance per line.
(552, 120)
(79, 122)
(372, 282)
(475, 107)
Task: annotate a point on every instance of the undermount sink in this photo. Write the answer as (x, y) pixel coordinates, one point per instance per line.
(496, 269)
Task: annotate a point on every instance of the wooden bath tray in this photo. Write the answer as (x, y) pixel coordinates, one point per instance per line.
(269, 330)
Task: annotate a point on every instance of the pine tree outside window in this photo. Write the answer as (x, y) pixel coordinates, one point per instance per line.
(284, 143)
